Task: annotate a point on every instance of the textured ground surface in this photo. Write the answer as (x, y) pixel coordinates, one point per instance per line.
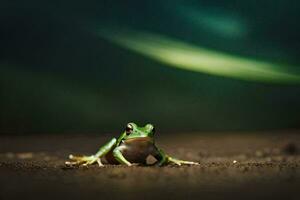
(236, 166)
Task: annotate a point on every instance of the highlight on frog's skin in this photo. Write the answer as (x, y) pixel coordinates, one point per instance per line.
(179, 54)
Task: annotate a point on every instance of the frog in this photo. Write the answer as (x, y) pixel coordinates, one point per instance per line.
(131, 148)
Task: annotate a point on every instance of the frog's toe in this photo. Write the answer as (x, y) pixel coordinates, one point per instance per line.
(83, 160)
(93, 160)
(68, 163)
(174, 161)
(190, 163)
(99, 163)
(71, 163)
(182, 162)
(134, 164)
(177, 163)
(77, 158)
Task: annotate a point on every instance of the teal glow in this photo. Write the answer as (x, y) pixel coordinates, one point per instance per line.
(185, 56)
(215, 21)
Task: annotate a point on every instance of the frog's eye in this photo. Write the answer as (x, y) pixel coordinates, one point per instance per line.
(150, 127)
(128, 129)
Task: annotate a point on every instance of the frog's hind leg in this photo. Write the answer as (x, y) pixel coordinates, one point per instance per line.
(164, 159)
(180, 162)
(96, 158)
(160, 156)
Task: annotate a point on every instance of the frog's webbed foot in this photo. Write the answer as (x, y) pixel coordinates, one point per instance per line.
(181, 162)
(83, 160)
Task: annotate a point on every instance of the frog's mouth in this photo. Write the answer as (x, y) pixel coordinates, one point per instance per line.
(139, 139)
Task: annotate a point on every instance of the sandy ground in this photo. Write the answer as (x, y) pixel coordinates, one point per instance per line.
(233, 166)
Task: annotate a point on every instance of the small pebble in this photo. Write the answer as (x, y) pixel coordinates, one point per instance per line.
(47, 158)
(268, 159)
(26, 155)
(259, 153)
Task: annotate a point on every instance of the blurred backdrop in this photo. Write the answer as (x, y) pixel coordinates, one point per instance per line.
(93, 66)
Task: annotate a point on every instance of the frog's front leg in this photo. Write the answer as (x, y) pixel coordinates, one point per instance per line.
(119, 156)
(164, 159)
(88, 160)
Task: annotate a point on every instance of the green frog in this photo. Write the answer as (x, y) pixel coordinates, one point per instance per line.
(132, 147)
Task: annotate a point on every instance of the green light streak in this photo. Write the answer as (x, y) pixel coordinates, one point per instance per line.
(185, 56)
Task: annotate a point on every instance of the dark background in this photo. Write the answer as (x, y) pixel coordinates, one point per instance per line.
(57, 75)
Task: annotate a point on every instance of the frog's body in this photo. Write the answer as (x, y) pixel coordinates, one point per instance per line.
(134, 150)
(134, 145)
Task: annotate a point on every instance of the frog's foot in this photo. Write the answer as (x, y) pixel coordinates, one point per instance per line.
(181, 162)
(83, 160)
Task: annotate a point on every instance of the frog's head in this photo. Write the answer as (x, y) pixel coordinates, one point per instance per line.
(134, 132)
